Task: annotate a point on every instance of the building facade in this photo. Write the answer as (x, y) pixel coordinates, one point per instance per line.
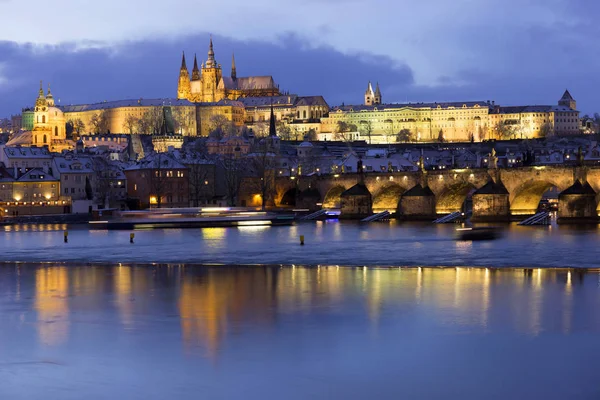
(131, 116)
(158, 181)
(457, 121)
(208, 85)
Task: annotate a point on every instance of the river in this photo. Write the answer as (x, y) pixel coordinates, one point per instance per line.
(158, 332)
(326, 243)
(101, 318)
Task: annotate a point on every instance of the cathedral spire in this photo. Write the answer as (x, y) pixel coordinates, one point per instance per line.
(196, 70)
(210, 62)
(183, 64)
(184, 88)
(41, 92)
(233, 70)
(272, 129)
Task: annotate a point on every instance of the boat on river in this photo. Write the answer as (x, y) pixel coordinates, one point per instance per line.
(207, 217)
(480, 233)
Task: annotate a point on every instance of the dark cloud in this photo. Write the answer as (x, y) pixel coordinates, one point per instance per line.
(91, 73)
(151, 68)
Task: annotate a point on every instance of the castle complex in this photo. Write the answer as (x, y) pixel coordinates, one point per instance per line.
(206, 98)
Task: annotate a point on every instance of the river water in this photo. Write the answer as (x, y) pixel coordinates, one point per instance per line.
(190, 332)
(108, 325)
(326, 243)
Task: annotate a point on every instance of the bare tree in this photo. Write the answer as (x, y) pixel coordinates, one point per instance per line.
(283, 130)
(233, 174)
(342, 129)
(367, 129)
(99, 122)
(198, 176)
(184, 118)
(545, 130)
(158, 179)
(405, 135)
(262, 165)
(75, 127)
(311, 135)
(155, 116)
(261, 129)
(130, 123)
(441, 138)
(503, 130)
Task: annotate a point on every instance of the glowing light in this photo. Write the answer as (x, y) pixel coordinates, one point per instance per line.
(336, 176)
(214, 209)
(391, 178)
(18, 198)
(253, 223)
(153, 200)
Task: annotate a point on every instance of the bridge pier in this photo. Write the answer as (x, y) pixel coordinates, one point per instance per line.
(577, 204)
(491, 203)
(356, 202)
(308, 199)
(417, 203)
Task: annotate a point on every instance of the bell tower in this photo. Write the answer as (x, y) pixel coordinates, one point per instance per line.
(211, 75)
(568, 101)
(377, 98)
(369, 95)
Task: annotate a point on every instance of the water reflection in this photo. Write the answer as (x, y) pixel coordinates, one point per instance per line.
(52, 304)
(212, 304)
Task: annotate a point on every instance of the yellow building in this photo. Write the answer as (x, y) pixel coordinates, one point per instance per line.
(425, 121)
(457, 121)
(131, 116)
(208, 85)
(520, 122)
(299, 114)
(223, 111)
(49, 127)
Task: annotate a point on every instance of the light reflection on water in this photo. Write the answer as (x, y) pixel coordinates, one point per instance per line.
(209, 325)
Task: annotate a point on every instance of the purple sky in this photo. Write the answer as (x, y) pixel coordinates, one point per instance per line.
(513, 51)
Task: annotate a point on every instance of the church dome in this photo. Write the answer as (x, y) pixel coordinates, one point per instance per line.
(55, 112)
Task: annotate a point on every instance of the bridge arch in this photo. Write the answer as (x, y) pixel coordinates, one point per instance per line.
(333, 197)
(387, 198)
(453, 197)
(289, 198)
(525, 199)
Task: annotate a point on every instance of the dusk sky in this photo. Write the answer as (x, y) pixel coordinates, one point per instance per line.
(511, 51)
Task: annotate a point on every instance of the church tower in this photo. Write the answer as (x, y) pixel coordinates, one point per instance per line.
(50, 98)
(233, 70)
(377, 98)
(369, 95)
(184, 86)
(211, 75)
(568, 101)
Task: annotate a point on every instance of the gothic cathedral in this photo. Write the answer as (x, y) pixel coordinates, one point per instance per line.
(208, 85)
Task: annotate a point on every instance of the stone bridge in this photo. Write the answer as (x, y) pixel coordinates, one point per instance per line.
(451, 188)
